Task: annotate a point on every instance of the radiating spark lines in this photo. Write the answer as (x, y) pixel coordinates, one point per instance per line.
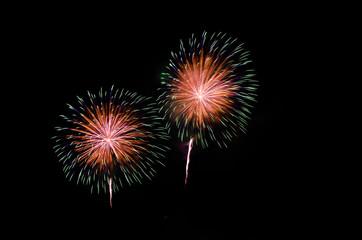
(111, 139)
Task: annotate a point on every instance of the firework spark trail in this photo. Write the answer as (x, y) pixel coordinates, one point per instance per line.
(110, 192)
(188, 160)
(110, 139)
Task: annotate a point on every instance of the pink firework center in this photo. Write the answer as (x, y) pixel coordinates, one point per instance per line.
(203, 91)
(112, 136)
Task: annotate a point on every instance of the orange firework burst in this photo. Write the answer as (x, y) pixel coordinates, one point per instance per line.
(208, 89)
(108, 136)
(203, 90)
(115, 138)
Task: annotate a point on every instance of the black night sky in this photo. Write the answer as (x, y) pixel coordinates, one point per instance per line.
(251, 190)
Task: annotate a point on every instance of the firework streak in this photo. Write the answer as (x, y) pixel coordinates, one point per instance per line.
(208, 90)
(188, 160)
(111, 139)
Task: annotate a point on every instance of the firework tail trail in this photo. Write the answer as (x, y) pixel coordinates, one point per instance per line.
(188, 160)
(110, 191)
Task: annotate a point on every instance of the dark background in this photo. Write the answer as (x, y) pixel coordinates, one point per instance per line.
(254, 189)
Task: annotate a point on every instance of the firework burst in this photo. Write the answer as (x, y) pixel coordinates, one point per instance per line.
(208, 90)
(111, 140)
